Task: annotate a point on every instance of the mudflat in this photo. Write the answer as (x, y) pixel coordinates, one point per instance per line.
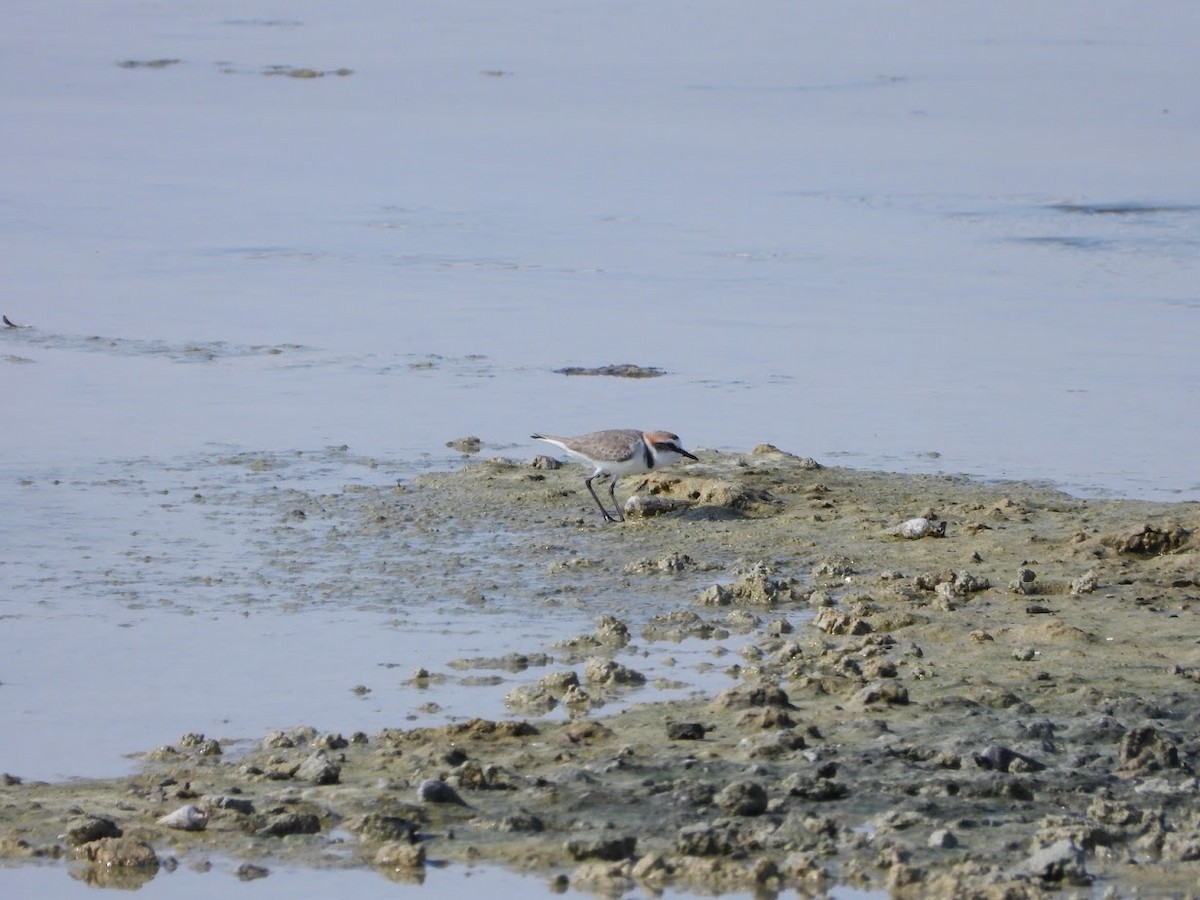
(945, 687)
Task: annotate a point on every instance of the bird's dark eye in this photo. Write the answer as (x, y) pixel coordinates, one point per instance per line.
(665, 445)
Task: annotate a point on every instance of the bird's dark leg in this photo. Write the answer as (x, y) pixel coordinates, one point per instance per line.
(612, 493)
(603, 511)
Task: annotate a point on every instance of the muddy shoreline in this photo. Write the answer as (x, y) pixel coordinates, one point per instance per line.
(1005, 705)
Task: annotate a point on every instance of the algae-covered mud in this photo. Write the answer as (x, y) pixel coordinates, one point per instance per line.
(925, 685)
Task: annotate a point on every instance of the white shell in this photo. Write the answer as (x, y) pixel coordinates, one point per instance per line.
(186, 818)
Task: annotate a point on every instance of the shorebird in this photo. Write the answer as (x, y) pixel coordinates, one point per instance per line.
(617, 452)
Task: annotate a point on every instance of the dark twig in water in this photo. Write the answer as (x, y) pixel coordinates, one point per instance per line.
(11, 324)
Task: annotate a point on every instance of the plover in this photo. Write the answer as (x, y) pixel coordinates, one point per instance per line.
(617, 452)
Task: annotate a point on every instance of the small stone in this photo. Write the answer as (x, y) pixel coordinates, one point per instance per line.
(608, 849)
(85, 829)
(641, 506)
(384, 829)
(400, 855)
(1002, 759)
(742, 798)
(119, 852)
(598, 671)
(434, 790)
(237, 804)
(1060, 863)
(883, 692)
(685, 731)
(466, 445)
(250, 872)
(1085, 583)
(319, 769)
(751, 695)
(291, 823)
(1145, 749)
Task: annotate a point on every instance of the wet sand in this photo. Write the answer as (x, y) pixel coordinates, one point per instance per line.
(1004, 706)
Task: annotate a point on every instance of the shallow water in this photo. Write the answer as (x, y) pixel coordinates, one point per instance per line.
(453, 881)
(950, 238)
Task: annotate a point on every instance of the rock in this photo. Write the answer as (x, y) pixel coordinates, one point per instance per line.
(251, 872)
(832, 621)
(1085, 583)
(918, 528)
(942, 839)
(671, 562)
(608, 673)
(615, 370)
(706, 839)
(883, 692)
(652, 868)
(521, 822)
(283, 824)
(378, 828)
(609, 849)
(746, 696)
(1144, 750)
(742, 798)
(816, 788)
(186, 818)
(1148, 540)
(400, 855)
(602, 879)
(434, 790)
(834, 567)
(1025, 583)
(1002, 759)
(467, 445)
(319, 769)
(782, 744)
(1060, 863)
(685, 731)
(531, 698)
(474, 775)
(765, 718)
(966, 583)
(332, 740)
(641, 506)
(237, 804)
(118, 852)
(545, 462)
(756, 589)
(85, 829)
